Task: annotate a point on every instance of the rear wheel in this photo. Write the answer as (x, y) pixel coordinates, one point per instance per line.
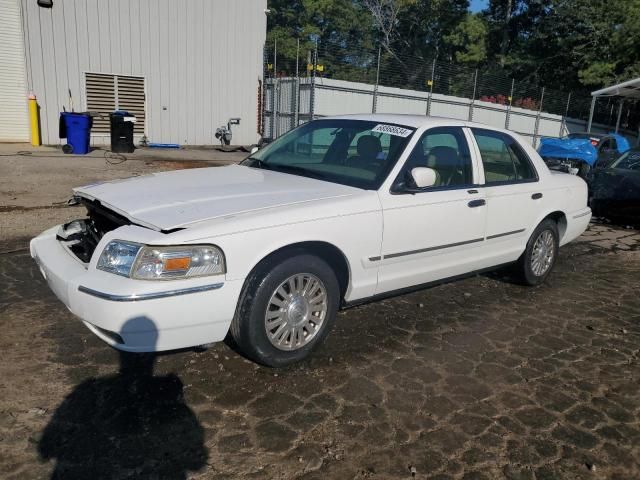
(287, 309)
(539, 257)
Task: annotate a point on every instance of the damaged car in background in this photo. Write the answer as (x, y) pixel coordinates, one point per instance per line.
(581, 152)
(615, 189)
(336, 212)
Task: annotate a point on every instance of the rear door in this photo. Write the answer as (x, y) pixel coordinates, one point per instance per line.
(513, 195)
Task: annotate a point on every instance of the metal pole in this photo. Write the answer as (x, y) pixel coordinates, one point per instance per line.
(506, 119)
(374, 106)
(274, 92)
(563, 123)
(263, 91)
(433, 74)
(619, 115)
(473, 97)
(593, 107)
(313, 81)
(535, 132)
(296, 112)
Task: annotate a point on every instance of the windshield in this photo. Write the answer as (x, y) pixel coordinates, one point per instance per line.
(628, 161)
(358, 153)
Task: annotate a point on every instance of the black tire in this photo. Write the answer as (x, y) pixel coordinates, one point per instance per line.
(524, 267)
(248, 326)
(584, 171)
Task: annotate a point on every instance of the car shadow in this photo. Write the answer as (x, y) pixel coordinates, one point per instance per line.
(133, 424)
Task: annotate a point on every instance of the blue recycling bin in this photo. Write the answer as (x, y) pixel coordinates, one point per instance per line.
(76, 128)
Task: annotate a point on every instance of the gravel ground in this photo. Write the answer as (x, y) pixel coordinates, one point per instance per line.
(478, 379)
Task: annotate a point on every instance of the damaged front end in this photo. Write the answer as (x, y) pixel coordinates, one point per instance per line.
(575, 156)
(82, 236)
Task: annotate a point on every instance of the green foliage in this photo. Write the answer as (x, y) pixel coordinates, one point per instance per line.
(468, 40)
(561, 44)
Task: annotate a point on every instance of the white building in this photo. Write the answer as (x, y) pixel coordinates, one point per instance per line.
(183, 67)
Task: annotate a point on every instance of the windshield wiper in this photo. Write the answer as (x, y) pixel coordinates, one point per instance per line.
(256, 163)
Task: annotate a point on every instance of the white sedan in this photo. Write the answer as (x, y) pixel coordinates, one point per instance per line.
(337, 212)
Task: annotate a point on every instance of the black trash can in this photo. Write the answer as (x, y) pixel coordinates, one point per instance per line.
(122, 132)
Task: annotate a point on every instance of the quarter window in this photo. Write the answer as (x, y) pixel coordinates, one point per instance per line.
(445, 150)
(503, 158)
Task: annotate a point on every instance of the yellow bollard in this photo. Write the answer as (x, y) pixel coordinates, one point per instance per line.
(34, 118)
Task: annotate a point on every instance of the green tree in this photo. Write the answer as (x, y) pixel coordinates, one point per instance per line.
(468, 40)
(342, 28)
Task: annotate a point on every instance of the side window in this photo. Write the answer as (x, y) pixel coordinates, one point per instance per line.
(503, 158)
(445, 150)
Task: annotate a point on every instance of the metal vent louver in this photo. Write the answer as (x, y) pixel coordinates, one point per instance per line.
(106, 93)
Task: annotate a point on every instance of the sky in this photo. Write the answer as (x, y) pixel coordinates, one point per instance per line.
(477, 5)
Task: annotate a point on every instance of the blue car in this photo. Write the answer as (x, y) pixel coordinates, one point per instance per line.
(581, 152)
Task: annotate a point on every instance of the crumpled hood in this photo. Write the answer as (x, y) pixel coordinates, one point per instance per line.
(169, 200)
(573, 148)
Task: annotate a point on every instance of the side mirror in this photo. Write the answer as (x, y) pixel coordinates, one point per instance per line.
(424, 177)
(254, 150)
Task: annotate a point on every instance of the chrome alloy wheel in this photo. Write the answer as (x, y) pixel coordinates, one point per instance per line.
(296, 311)
(542, 256)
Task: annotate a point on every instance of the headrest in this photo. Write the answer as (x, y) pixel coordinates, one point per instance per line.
(444, 157)
(369, 146)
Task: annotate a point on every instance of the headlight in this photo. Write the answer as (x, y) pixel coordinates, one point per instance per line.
(161, 263)
(118, 257)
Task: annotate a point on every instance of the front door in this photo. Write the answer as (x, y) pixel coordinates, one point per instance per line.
(438, 231)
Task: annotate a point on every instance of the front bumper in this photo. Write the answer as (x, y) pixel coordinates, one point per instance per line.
(138, 315)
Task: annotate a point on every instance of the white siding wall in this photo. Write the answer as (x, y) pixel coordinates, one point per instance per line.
(14, 119)
(201, 60)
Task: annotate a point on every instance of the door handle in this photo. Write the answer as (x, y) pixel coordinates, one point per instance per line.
(472, 191)
(476, 203)
(536, 196)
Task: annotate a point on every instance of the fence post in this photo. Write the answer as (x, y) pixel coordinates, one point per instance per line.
(296, 89)
(312, 97)
(263, 90)
(274, 92)
(563, 123)
(535, 131)
(433, 74)
(506, 119)
(374, 105)
(473, 97)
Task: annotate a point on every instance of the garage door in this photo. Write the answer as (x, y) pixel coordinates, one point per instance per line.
(14, 119)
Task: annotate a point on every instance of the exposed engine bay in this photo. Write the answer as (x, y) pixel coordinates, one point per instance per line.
(83, 235)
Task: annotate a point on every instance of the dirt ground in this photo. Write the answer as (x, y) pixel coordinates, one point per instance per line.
(478, 379)
(35, 183)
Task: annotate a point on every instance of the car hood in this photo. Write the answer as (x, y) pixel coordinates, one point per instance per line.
(169, 200)
(568, 148)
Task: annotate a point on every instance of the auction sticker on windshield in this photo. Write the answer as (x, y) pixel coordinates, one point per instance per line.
(392, 130)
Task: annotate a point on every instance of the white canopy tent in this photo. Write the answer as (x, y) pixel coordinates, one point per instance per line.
(625, 90)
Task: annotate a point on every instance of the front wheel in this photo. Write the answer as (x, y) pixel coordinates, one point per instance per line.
(287, 309)
(539, 257)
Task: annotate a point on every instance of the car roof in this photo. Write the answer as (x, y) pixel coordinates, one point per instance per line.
(415, 121)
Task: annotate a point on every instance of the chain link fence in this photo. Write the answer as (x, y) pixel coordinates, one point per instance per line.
(329, 79)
